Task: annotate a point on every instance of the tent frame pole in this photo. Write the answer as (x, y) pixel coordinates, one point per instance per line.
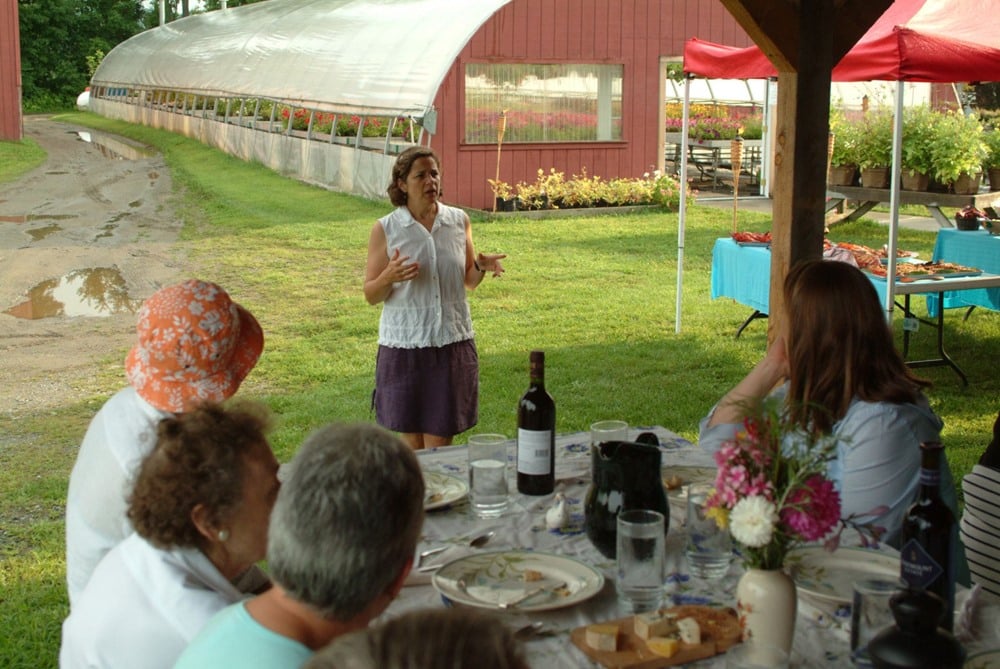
(894, 186)
(682, 214)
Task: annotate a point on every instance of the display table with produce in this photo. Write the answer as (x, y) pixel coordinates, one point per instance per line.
(742, 270)
(976, 248)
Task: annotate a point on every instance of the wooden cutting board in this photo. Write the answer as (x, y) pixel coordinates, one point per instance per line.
(720, 629)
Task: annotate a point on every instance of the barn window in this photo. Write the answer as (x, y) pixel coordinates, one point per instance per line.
(544, 103)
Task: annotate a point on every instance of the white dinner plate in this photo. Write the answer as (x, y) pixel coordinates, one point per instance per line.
(829, 576)
(487, 580)
(987, 659)
(442, 490)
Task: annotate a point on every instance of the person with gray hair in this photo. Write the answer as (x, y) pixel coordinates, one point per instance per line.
(429, 639)
(340, 545)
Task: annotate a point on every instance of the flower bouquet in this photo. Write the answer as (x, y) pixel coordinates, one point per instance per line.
(771, 490)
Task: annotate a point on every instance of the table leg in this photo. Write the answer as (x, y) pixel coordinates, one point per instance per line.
(944, 358)
(939, 216)
(755, 315)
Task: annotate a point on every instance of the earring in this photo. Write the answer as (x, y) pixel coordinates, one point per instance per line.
(223, 535)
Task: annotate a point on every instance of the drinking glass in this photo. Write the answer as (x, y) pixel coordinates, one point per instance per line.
(870, 614)
(608, 430)
(488, 474)
(641, 558)
(709, 548)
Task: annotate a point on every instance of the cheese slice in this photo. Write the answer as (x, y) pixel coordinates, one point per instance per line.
(665, 646)
(602, 636)
(689, 631)
(655, 623)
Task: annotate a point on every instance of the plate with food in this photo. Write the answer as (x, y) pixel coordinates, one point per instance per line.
(752, 238)
(442, 489)
(517, 580)
(829, 576)
(663, 638)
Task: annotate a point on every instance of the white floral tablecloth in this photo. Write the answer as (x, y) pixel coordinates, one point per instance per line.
(821, 635)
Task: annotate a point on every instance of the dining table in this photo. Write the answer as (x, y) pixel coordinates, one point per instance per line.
(822, 629)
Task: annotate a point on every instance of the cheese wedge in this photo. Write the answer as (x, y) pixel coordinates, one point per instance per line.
(664, 646)
(602, 636)
(655, 623)
(689, 631)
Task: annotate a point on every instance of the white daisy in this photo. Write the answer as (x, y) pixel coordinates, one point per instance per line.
(752, 521)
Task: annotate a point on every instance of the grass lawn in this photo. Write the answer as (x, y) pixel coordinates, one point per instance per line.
(596, 293)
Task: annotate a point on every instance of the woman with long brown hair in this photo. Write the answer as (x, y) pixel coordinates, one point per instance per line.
(840, 374)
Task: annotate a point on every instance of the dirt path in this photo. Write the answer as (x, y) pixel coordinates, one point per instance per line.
(91, 231)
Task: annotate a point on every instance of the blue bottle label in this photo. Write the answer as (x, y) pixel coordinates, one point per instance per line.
(917, 567)
(930, 477)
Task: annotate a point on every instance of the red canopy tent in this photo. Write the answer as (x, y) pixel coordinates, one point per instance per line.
(914, 40)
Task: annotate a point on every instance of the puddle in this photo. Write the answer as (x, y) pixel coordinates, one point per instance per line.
(114, 148)
(27, 218)
(38, 234)
(98, 291)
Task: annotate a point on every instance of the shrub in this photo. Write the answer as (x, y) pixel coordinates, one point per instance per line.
(958, 147)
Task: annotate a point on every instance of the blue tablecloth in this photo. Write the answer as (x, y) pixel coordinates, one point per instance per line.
(972, 248)
(742, 273)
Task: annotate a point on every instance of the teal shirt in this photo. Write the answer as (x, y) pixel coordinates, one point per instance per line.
(234, 639)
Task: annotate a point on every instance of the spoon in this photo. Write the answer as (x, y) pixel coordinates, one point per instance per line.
(475, 542)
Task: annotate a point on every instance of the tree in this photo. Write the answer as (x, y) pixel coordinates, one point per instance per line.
(56, 38)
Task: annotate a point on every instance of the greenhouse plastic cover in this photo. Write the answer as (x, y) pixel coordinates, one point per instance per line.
(349, 56)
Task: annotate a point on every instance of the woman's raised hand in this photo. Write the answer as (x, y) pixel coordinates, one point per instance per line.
(491, 262)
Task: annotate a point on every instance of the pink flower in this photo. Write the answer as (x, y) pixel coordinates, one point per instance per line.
(813, 509)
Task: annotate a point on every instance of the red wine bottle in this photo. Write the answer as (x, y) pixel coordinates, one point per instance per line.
(536, 434)
(928, 536)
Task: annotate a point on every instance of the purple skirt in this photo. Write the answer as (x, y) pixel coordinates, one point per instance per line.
(427, 390)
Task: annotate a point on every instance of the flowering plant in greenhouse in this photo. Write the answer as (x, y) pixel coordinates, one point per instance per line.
(771, 489)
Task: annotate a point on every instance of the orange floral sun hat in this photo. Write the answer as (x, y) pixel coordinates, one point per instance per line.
(194, 345)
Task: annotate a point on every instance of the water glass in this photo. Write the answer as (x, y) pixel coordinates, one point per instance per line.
(488, 474)
(756, 655)
(641, 558)
(608, 430)
(709, 548)
(870, 614)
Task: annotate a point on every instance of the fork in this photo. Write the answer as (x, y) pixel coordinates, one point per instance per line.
(529, 594)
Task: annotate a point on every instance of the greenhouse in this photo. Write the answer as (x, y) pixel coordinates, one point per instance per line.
(329, 91)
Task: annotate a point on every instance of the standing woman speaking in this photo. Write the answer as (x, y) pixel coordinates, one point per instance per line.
(421, 261)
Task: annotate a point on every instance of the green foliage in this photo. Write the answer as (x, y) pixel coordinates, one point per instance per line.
(920, 129)
(874, 146)
(294, 255)
(958, 146)
(551, 190)
(845, 138)
(991, 139)
(58, 40)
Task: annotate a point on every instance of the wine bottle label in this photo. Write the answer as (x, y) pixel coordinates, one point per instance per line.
(534, 448)
(917, 567)
(930, 476)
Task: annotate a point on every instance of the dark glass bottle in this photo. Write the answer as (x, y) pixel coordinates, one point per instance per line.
(915, 641)
(928, 537)
(536, 434)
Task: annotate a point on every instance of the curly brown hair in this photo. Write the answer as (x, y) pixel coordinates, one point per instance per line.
(199, 458)
(401, 170)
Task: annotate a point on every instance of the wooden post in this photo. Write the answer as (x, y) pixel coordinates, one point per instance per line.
(501, 129)
(736, 157)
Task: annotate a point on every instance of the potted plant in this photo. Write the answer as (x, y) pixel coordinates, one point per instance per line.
(919, 132)
(874, 148)
(992, 163)
(502, 192)
(844, 149)
(959, 151)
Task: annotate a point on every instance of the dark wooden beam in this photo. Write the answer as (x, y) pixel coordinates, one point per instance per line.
(773, 25)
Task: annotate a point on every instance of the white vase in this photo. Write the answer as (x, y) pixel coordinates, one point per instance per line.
(767, 602)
